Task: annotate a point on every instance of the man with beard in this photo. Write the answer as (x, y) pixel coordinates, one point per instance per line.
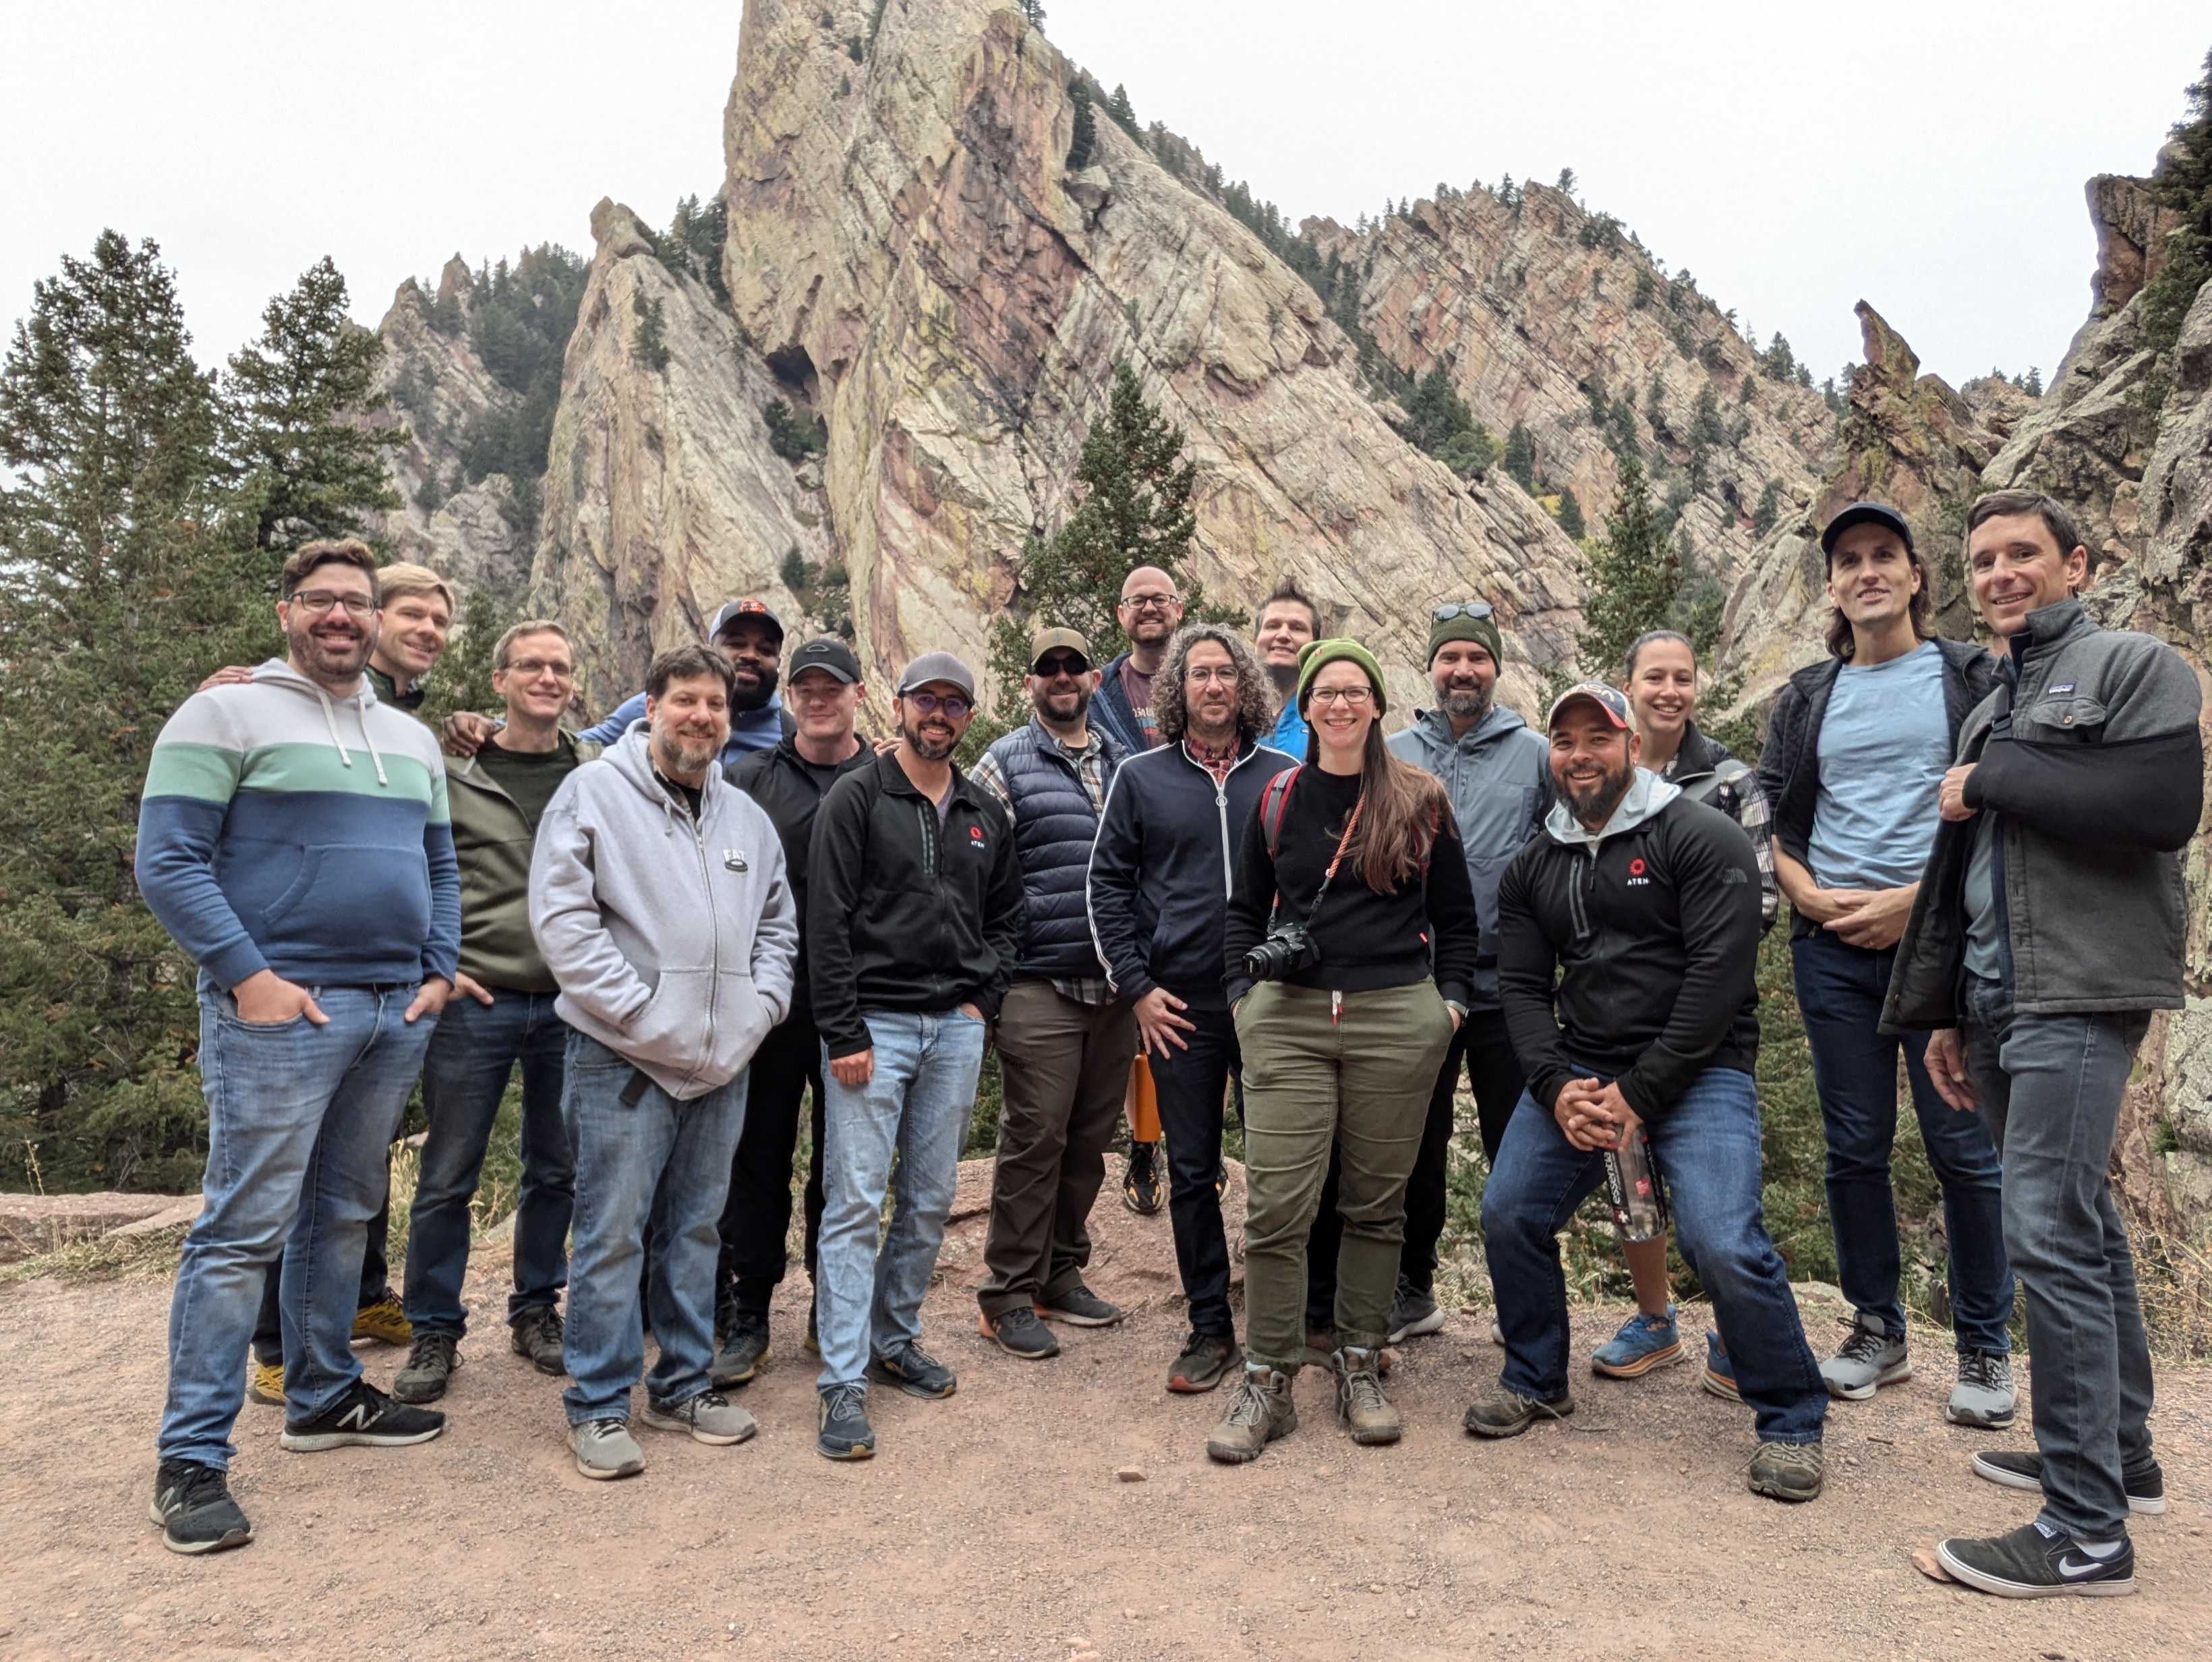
(1626, 937)
(293, 839)
(1159, 898)
(1493, 767)
(657, 896)
(1288, 619)
(914, 914)
(1063, 1037)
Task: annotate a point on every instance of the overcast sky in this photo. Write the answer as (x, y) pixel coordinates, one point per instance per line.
(1928, 156)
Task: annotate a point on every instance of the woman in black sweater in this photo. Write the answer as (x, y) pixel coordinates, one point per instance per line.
(1342, 1039)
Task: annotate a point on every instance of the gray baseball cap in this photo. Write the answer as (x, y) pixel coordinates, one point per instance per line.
(937, 666)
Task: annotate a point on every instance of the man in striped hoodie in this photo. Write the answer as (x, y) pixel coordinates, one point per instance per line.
(293, 840)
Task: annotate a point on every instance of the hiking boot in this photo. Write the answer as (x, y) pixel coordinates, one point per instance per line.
(1206, 1357)
(1140, 1179)
(1080, 1307)
(2038, 1562)
(1719, 1378)
(385, 1322)
(844, 1433)
(536, 1333)
(1983, 1397)
(710, 1417)
(1361, 1407)
(605, 1449)
(1019, 1333)
(915, 1371)
(431, 1361)
(364, 1416)
(1412, 1312)
(1642, 1343)
(1788, 1471)
(1261, 1412)
(744, 1347)
(192, 1505)
(1500, 1412)
(265, 1382)
(1869, 1359)
(2145, 1484)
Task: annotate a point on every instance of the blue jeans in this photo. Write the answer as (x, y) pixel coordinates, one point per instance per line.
(463, 1077)
(300, 1121)
(1708, 1152)
(650, 1160)
(867, 1299)
(1840, 989)
(2051, 1089)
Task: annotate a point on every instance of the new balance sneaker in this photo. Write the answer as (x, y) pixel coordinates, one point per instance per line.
(1361, 1407)
(605, 1450)
(843, 1430)
(1079, 1307)
(536, 1333)
(744, 1347)
(1719, 1378)
(385, 1322)
(1206, 1357)
(1140, 1179)
(1642, 1343)
(1018, 1333)
(265, 1382)
(1501, 1412)
(366, 1416)
(192, 1505)
(1414, 1313)
(915, 1371)
(1983, 1397)
(432, 1360)
(1869, 1357)
(2145, 1484)
(2038, 1562)
(1787, 1471)
(710, 1417)
(1261, 1412)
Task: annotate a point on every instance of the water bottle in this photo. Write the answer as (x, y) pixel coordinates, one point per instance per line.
(1631, 1181)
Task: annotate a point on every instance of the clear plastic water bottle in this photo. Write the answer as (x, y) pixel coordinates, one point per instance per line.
(1631, 1181)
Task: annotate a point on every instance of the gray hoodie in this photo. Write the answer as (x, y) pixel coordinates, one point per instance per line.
(672, 941)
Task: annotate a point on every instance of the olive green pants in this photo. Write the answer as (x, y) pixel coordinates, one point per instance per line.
(1358, 1076)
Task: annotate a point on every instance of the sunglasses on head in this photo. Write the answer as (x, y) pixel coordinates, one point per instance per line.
(1444, 614)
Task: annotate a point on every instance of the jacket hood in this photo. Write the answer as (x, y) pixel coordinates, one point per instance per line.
(1645, 797)
(632, 757)
(276, 672)
(1697, 755)
(1496, 724)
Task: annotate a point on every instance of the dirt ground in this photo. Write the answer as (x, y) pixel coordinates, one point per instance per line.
(994, 1524)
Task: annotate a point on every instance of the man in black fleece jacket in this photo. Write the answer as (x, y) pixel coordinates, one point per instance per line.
(1637, 912)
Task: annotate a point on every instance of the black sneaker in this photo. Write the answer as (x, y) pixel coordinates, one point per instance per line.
(431, 1362)
(363, 1415)
(2145, 1484)
(536, 1333)
(1080, 1307)
(744, 1347)
(915, 1371)
(1140, 1179)
(192, 1505)
(2035, 1561)
(1205, 1359)
(845, 1433)
(1019, 1333)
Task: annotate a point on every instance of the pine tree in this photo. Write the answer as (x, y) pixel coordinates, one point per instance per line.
(2033, 386)
(1570, 513)
(1566, 182)
(1631, 579)
(1123, 112)
(649, 338)
(1705, 426)
(462, 679)
(1033, 11)
(1520, 456)
(1083, 136)
(1770, 509)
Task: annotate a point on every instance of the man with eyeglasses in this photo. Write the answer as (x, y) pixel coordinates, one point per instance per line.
(913, 916)
(1064, 1038)
(502, 1016)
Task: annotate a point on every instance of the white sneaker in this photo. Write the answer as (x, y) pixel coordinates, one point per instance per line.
(605, 1448)
(1869, 1359)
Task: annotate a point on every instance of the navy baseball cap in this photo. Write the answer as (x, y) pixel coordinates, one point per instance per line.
(1865, 513)
(1611, 700)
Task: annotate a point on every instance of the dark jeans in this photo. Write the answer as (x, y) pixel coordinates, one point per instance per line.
(1190, 1083)
(474, 1051)
(756, 1218)
(2051, 1089)
(1482, 1046)
(375, 1282)
(1707, 1144)
(1840, 989)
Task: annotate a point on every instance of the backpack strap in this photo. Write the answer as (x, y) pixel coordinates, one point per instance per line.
(1719, 779)
(1274, 797)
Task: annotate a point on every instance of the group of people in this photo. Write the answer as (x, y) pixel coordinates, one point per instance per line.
(1203, 857)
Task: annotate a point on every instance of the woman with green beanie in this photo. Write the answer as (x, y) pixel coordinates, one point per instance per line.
(1351, 947)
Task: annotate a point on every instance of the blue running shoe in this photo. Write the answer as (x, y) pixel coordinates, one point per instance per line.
(1720, 1375)
(1642, 1343)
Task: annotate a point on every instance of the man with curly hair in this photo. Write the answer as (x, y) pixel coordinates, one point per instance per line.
(1159, 895)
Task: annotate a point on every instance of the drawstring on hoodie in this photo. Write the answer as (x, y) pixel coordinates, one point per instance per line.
(331, 722)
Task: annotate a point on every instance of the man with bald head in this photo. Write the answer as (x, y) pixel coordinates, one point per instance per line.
(1149, 613)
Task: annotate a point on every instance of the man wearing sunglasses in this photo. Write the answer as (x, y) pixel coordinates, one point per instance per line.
(913, 917)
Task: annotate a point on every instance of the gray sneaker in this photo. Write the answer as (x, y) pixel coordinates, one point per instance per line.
(605, 1448)
(710, 1417)
(1983, 1397)
(1869, 1359)
(1413, 1313)
(1787, 1471)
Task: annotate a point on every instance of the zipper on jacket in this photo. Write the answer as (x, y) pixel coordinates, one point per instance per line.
(715, 927)
(1576, 887)
(932, 866)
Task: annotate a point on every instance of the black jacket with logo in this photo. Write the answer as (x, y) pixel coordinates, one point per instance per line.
(900, 915)
(790, 790)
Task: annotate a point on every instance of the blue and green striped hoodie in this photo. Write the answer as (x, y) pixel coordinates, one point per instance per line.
(285, 830)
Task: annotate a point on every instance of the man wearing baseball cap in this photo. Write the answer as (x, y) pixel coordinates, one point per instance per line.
(789, 781)
(1064, 1036)
(1641, 907)
(1854, 761)
(913, 919)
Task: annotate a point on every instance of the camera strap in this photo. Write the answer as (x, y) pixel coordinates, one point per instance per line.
(1351, 824)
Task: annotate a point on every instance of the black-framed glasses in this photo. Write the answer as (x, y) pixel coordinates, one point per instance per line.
(1476, 609)
(1349, 698)
(953, 705)
(317, 601)
(1157, 602)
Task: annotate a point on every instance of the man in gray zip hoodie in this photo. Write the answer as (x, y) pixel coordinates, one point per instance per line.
(673, 963)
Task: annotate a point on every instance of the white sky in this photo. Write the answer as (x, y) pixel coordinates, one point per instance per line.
(1928, 156)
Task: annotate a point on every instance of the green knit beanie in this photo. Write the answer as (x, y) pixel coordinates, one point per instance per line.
(1460, 627)
(1315, 654)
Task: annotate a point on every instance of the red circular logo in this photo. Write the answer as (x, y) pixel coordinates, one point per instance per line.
(1636, 868)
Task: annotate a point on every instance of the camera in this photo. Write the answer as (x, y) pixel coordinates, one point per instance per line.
(1288, 948)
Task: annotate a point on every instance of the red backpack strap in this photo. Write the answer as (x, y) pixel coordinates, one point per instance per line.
(1274, 799)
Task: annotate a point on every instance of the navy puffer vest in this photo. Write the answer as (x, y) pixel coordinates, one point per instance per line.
(1054, 826)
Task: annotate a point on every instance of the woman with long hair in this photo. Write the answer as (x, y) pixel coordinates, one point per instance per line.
(1660, 679)
(1349, 958)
